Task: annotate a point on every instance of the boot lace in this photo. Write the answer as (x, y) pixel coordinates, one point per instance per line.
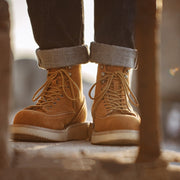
(114, 99)
(51, 93)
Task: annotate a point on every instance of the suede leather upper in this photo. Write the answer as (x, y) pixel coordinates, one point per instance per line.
(111, 109)
(61, 102)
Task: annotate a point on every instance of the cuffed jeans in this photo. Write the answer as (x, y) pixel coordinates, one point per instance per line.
(58, 30)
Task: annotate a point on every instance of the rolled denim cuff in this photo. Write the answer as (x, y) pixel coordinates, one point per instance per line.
(61, 57)
(113, 55)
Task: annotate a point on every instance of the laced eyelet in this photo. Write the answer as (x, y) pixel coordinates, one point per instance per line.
(58, 99)
(102, 66)
(102, 73)
(102, 82)
(50, 91)
(126, 76)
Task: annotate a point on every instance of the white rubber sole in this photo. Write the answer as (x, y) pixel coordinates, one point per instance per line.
(21, 132)
(116, 137)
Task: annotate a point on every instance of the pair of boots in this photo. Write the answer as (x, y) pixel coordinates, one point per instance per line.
(60, 112)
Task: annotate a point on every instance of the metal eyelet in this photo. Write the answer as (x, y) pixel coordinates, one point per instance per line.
(102, 82)
(126, 76)
(70, 73)
(102, 66)
(102, 73)
(69, 67)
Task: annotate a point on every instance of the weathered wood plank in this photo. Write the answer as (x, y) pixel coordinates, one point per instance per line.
(148, 79)
(121, 154)
(86, 161)
(4, 81)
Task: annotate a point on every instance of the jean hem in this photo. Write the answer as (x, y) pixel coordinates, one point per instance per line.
(113, 55)
(61, 57)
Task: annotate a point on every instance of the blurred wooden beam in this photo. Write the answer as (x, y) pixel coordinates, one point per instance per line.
(4, 81)
(147, 40)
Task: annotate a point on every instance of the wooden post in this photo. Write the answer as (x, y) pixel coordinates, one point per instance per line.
(148, 79)
(4, 81)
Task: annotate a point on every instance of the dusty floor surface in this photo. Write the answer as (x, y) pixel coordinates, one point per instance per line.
(81, 160)
(123, 154)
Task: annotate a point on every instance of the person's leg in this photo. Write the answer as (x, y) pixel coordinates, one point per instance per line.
(58, 30)
(115, 122)
(114, 22)
(61, 110)
(114, 28)
(56, 23)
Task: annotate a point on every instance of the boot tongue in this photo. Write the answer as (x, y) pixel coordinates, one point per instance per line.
(57, 80)
(114, 68)
(115, 83)
(54, 81)
(54, 69)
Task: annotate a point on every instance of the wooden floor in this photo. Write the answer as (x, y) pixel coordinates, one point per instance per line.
(72, 148)
(80, 159)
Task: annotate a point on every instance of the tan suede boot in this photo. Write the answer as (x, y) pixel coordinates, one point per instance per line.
(114, 120)
(60, 112)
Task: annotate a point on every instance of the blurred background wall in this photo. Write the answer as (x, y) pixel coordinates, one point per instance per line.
(27, 77)
(170, 74)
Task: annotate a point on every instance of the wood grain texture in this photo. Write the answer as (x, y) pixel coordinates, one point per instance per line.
(81, 160)
(147, 41)
(4, 81)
